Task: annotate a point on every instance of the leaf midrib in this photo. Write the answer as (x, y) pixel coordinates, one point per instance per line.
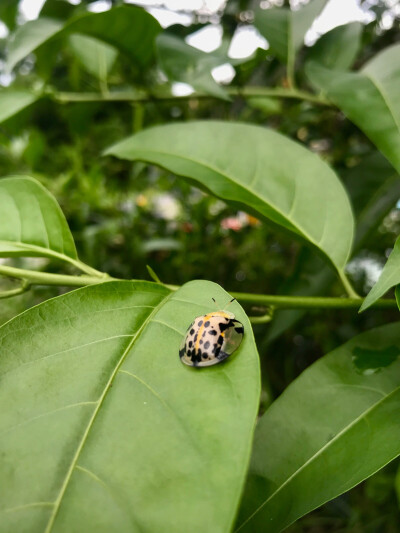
(39, 249)
(318, 453)
(92, 420)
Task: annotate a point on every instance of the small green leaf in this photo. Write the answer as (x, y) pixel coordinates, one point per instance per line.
(31, 221)
(373, 200)
(390, 277)
(257, 169)
(338, 48)
(130, 29)
(104, 429)
(14, 101)
(95, 56)
(152, 274)
(184, 63)
(285, 29)
(374, 88)
(333, 427)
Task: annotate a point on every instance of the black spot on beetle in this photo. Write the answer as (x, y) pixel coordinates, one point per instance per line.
(192, 331)
(223, 326)
(207, 324)
(204, 334)
(200, 323)
(190, 344)
(205, 356)
(239, 329)
(222, 355)
(213, 332)
(201, 342)
(206, 345)
(220, 339)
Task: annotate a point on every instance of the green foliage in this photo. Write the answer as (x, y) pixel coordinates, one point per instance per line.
(181, 62)
(374, 88)
(31, 221)
(286, 184)
(12, 102)
(285, 29)
(261, 186)
(113, 420)
(389, 278)
(333, 427)
(128, 28)
(338, 48)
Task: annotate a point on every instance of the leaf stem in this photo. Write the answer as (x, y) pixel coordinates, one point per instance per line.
(347, 285)
(24, 287)
(47, 278)
(142, 96)
(282, 302)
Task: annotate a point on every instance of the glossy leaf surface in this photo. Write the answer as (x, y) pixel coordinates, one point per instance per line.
(104, 429)
(258, 169)
(389, 278)
(376, 88)
(334, 426)
(130, 29)
(31, 221)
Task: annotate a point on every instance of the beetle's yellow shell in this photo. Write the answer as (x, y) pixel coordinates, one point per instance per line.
(210, 339)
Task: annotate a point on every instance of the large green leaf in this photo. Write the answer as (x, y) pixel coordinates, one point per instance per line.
(187, 64)
(338, 48)
(95, 56)
(130, 29)
(31, 221)
(104, 429)
(285, 29)
(14, 101)
(258, 169)
(390, 277)
(369, 98)
(334, 426)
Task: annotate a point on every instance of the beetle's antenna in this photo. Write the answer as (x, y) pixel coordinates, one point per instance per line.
(213, 299)
(229, 303)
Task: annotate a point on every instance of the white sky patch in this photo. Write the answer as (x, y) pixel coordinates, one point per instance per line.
(99, 7)
(207, 7)
(3, 30)
(245, 42)
(246, 38)
(30, 9)
(181, 89)
(336, 13)
(223, 73)
(168, 18)
(207, 39)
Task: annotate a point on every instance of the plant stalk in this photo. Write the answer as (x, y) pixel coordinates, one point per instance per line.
(142, 96)
(282, 302)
